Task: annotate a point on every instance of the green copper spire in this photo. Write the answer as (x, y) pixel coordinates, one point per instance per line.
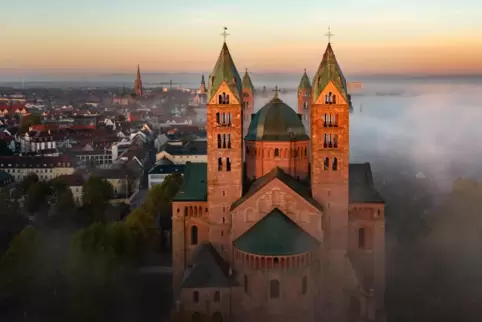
(305, 83)
(225, 70)
(247, 84)
(329, 70)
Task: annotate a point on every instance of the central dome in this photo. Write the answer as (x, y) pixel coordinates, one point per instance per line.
(276, 121)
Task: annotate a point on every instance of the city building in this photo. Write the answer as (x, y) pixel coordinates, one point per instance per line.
(45, 167)
(75, 182)
(37, 141)
(183, 152)
(287, 235)
(161, 170)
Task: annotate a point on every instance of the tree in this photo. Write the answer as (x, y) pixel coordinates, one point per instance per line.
(159, 198)
(22, 266)
(62, 204)
(29, 120)
(142, 225)
(37, 198)
(99, 262)
(25, 184)
(97, 193)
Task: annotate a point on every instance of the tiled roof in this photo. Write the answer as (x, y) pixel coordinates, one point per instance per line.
(194, 185)
(276, 235)
(276, 121)
(190, 148)
(361, 187)
(277, 173)
(329, 70)
(207, 269)
(225, 70)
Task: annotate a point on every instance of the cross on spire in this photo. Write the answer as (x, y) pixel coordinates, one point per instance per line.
(329, 34)
(225, 33)
(276, 91)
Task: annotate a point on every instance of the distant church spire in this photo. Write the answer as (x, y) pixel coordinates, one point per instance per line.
(138, 83)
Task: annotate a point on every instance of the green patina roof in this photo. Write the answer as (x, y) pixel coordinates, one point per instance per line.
(247, 84)
(329, 70)
(305, 83)
(361, 186)
(225, 70)
(276, 121)
(276, 235)
(194, 185)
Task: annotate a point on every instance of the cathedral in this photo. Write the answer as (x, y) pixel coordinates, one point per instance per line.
(278, 225)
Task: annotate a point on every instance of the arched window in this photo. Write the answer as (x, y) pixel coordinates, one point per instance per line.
(335, 164)
(228, 164)
(229, 141)
(227, 99)
(196, 317)
(246, 285)
(217, 296)
(325, 120)
(220, 99)
(223, 120)
(194, 235)
(361, 238)
(220, 164)
(326, 164)
(224, 141)
(276, 152)
(218, 118)
(334, 99)
(195, 297)
(219, 141)
(274, 289)
(326, 99)
(304, 285)
(330, 98)
(335, 141)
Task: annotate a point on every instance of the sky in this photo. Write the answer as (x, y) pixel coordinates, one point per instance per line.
(113, 36)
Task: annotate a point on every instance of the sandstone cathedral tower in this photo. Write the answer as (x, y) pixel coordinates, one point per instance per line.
(289, 232)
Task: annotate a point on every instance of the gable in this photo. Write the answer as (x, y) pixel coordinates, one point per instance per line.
(224, 88)
(291, 183)
(331, 88)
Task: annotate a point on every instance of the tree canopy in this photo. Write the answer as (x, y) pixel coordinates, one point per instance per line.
(96, 195)
(29, 120)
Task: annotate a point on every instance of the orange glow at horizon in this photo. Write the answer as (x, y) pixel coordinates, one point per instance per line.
(122, 54)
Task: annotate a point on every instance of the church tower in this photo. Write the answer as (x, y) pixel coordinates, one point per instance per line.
(138, 83)
(202, 88)
(224, 147)
(304, 98)
(329, 126)
(248, 101)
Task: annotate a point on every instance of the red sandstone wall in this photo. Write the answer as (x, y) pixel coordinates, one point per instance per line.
(292, 158)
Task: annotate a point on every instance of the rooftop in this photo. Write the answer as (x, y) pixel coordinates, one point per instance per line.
(276, 235)
(194, 185)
